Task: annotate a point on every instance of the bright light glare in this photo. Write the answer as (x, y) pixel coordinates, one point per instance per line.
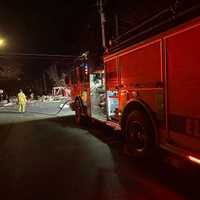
(2, 42)
(196, 160)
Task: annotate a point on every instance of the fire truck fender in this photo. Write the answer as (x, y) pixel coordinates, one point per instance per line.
(81, 114)
(78, 98)
(138, 104)
(73, 105)
(82, 107)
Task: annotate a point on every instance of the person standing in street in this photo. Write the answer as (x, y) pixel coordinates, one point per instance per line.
(21, 101)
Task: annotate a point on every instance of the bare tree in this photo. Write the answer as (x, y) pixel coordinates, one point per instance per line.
(10, 71)
(53, 74)
(59, 80)
(62, 80)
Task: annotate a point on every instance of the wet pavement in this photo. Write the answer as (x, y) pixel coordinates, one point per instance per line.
(34, 111)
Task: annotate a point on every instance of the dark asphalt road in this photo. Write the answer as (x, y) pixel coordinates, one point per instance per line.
(55, 159)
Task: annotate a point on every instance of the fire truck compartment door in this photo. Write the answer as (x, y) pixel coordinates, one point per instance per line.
(183, 64)
(112, 80)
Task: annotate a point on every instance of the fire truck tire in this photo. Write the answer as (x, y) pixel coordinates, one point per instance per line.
(78, 117)
(139, 137)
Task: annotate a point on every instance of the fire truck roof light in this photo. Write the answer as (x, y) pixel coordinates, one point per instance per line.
(193, 159)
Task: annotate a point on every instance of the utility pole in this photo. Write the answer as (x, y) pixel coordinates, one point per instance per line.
(116, 25)
(44, 82)
(102, 16)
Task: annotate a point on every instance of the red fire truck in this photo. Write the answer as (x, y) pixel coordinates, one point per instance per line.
(150, 90)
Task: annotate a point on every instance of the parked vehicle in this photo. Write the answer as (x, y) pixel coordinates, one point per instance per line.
(150, 91)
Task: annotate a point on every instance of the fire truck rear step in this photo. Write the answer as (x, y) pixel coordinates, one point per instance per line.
(114, 125)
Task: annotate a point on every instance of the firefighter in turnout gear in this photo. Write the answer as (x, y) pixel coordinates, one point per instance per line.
(21, 101)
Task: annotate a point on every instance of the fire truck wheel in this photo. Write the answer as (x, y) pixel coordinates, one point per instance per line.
(139, 138)
(78, 117)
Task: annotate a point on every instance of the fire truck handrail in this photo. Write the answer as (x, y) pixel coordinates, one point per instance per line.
(135, 38)
(143, 23)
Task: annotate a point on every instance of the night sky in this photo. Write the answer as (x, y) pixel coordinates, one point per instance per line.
(68, 27)
(54, 27)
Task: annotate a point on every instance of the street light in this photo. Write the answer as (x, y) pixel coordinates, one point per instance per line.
(2, 42)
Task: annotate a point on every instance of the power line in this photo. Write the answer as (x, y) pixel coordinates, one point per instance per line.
(37, 55)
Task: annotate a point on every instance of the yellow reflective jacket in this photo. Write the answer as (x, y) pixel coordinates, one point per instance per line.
(21, 98)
